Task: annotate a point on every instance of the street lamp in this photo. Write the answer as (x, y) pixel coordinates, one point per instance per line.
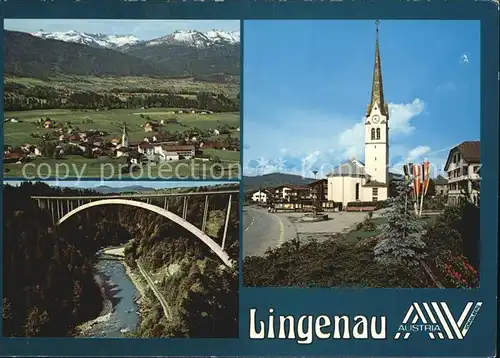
(317, 193)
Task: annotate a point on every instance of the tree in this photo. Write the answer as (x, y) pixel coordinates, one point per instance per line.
(431, 190)
(402, 242)
(48, 148)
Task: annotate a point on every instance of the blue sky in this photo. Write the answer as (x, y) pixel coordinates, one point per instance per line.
(142, 29)
(120, 184)
(307, 85)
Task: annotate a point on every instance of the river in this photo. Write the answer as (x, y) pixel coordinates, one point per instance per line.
(120, 314)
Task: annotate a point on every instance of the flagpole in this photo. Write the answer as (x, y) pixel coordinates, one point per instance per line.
(421, 203)
(416, 185)
(406, 177)
(425, 182)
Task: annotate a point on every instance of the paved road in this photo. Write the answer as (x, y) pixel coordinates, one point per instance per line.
(263, 230)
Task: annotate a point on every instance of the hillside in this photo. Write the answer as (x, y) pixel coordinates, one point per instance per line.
(187, 59)
(29, 56)
(272, 180)
(26, 55)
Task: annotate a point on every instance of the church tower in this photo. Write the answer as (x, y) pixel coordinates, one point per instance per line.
(377, 129)
(124, 136)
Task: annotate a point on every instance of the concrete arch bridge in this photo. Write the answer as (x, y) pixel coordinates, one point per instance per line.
(62, 208)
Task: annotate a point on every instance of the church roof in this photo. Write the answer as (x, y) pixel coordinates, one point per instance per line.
(440, 180)
(351, 168)
(377, 86)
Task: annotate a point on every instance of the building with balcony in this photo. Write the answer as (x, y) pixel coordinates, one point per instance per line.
(463, 169)
(292, 192)
(319, 189)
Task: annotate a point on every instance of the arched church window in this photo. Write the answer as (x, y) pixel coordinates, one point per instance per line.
(378, 133)
(357, 191)
(373, 133)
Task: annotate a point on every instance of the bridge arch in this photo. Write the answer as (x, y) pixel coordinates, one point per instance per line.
(216, 248)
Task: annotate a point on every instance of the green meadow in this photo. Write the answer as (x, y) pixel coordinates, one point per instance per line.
(111, 121)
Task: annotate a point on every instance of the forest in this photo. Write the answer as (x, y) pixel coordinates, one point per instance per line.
(48, 280)
(19, 97)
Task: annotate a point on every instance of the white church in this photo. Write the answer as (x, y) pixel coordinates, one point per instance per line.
(368, 181)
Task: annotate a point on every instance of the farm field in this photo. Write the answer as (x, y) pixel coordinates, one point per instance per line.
(111, 121)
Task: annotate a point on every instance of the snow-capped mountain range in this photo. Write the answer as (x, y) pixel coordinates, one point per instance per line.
(191, 38)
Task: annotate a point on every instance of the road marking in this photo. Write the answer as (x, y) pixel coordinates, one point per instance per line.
(251, 223)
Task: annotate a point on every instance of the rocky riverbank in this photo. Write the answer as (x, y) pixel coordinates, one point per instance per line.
(122, 294)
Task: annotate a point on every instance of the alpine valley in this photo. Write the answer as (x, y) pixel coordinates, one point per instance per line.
(95, 99)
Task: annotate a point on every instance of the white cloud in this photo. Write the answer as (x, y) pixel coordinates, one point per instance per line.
(402, 114)
(351, 141)
(417, 152)
(436, 159)
(464, 59)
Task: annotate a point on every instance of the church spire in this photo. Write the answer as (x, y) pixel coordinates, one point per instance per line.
(377, 87)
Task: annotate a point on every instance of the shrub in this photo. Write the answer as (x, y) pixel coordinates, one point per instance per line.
(366, 225)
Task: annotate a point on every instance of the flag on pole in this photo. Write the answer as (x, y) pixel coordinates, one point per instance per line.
(416, 185)
(416, 179)
(426, 175)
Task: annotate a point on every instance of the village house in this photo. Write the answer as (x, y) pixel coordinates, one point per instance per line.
(166, 156)
(123, 151)
(115, 141)
(259, 196)
(7, 148)
(441, 185)
(160, 138)
(32, 150)
(319, 189)
(183, 151)
(292, 192)
(159, 152)
(48, 123)
(13, 158)
(148, 127)
(11, 120)
(463, 170)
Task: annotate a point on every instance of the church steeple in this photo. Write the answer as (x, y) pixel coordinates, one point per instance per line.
(377, 86)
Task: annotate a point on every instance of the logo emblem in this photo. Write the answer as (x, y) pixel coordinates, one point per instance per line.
(436, 319)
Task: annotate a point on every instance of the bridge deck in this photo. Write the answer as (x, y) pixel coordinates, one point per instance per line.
(136, 196)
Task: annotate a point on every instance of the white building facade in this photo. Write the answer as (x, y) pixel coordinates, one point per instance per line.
(369, 181)
(463, 170)
(259, 197)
